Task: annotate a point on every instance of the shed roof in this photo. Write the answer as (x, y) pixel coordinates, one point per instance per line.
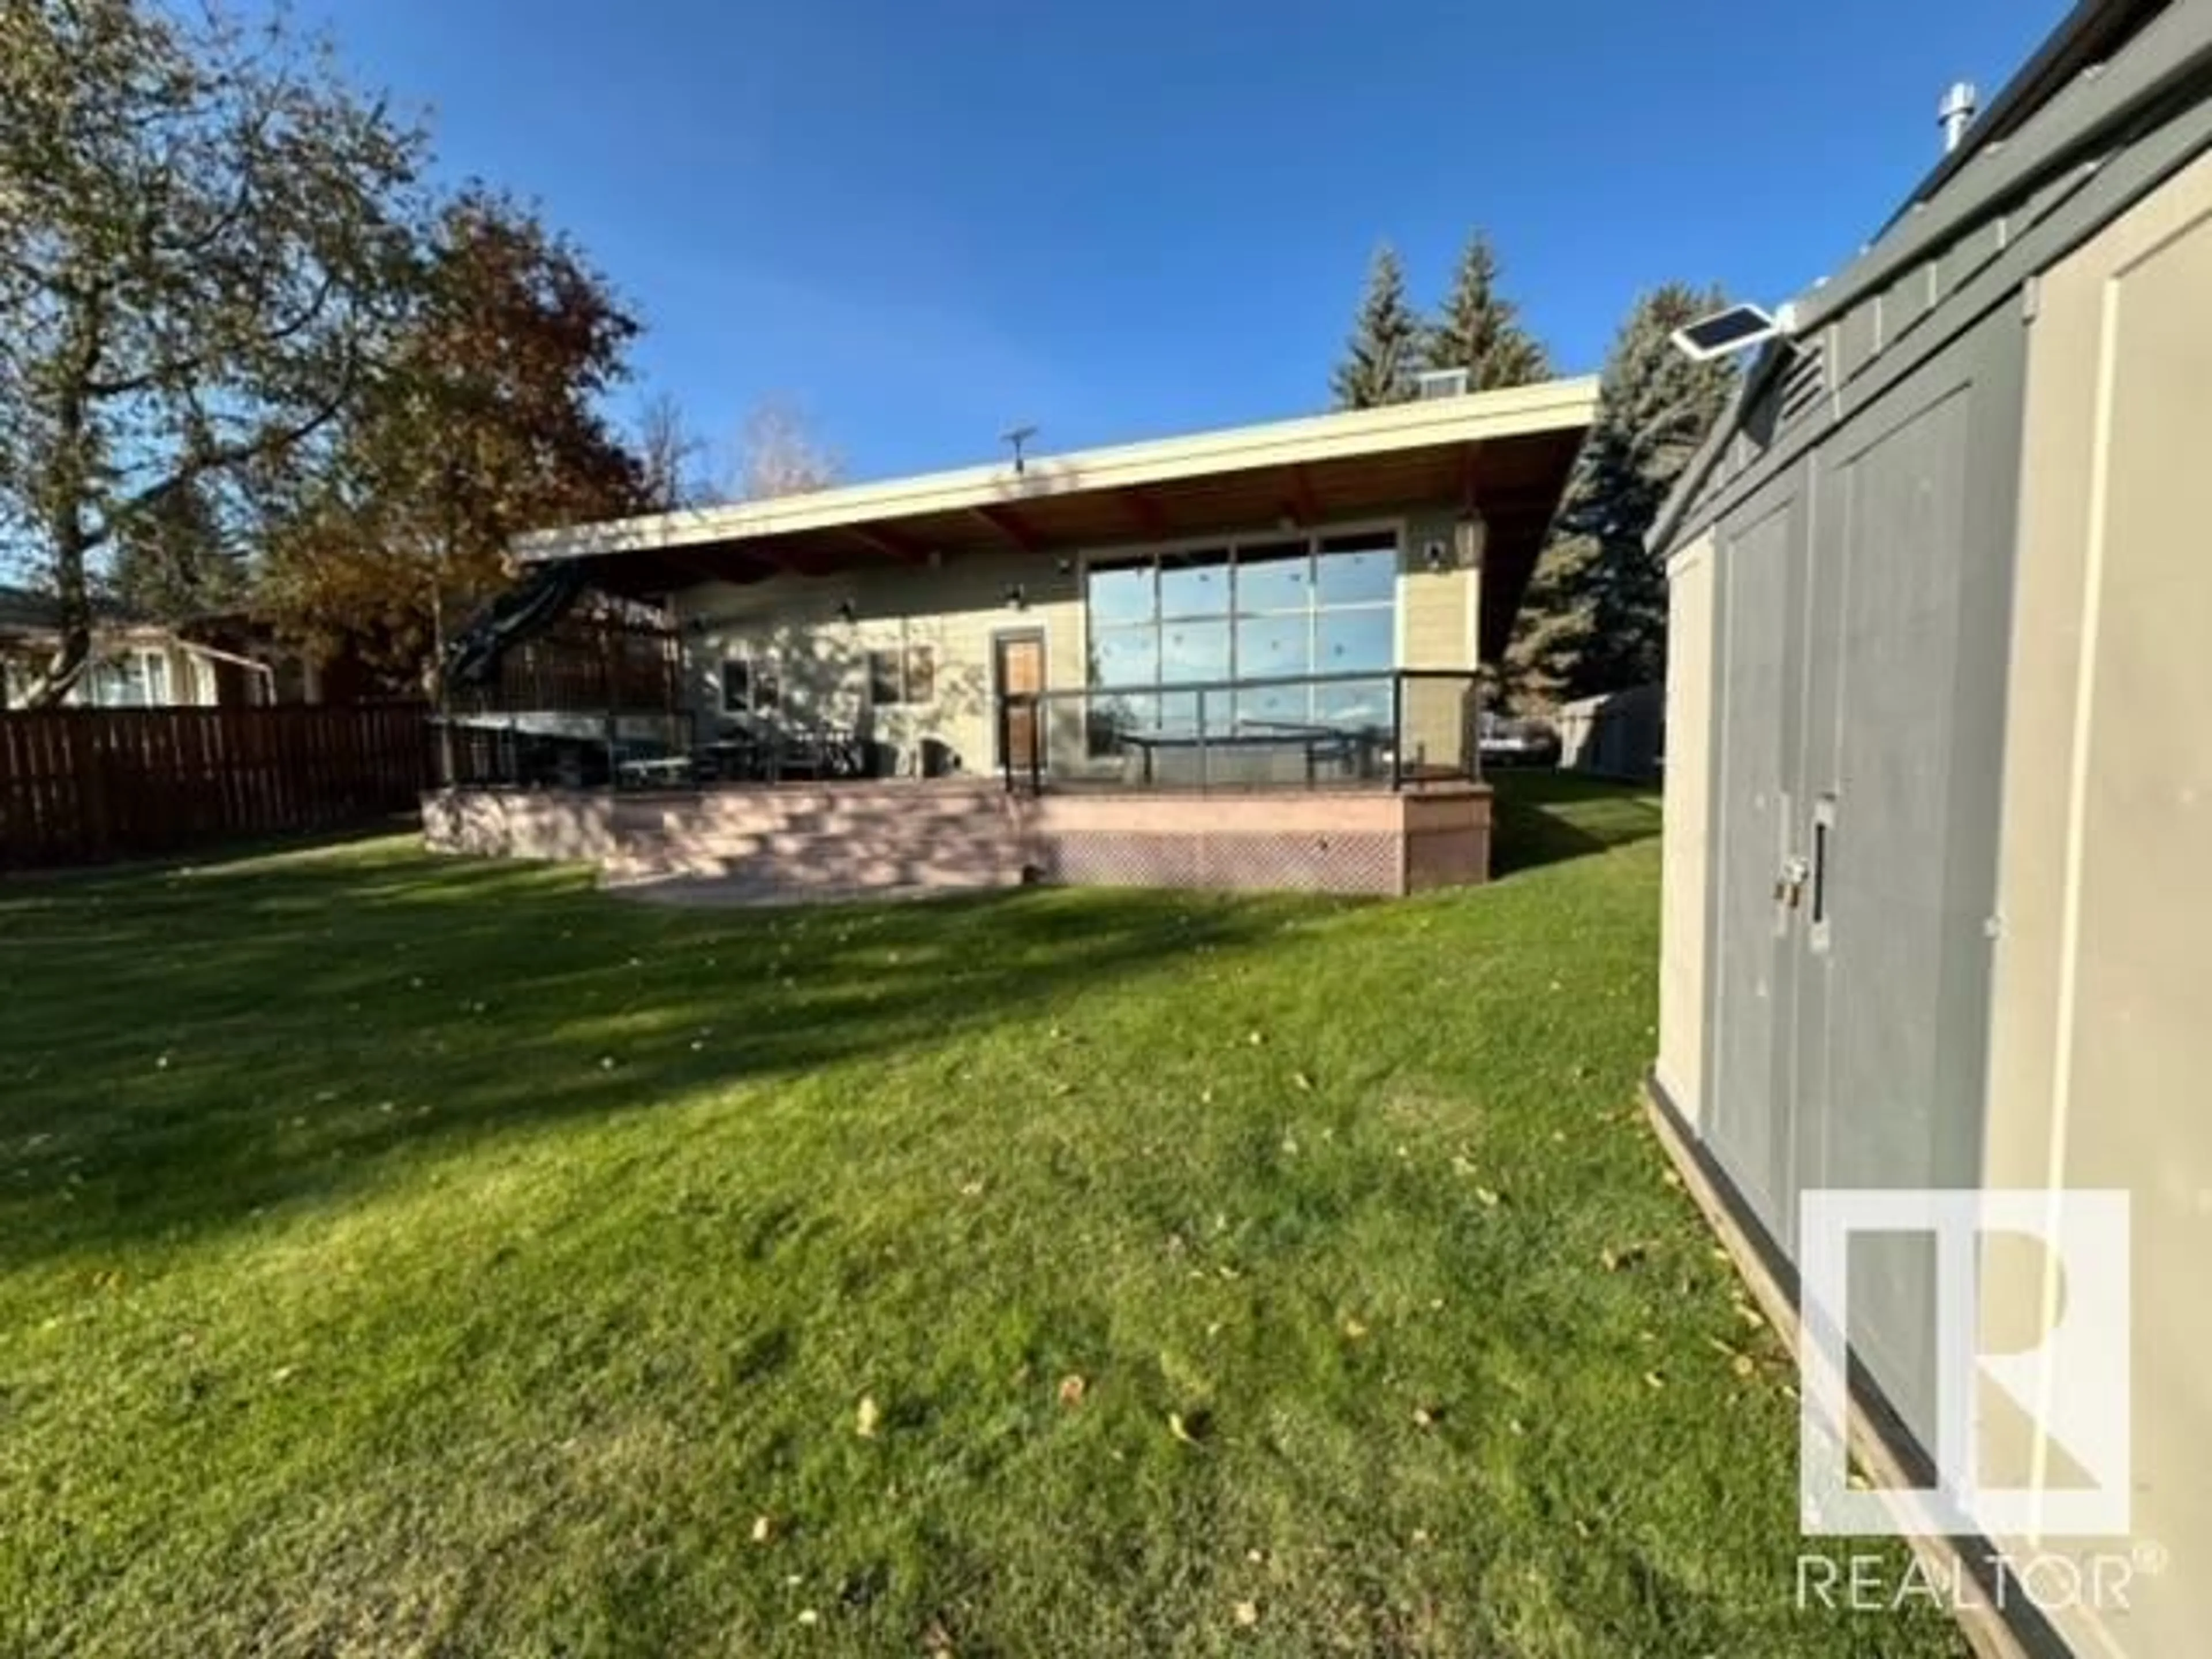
(1506, 454)
(2111, 70)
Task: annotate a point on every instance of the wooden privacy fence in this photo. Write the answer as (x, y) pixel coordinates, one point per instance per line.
(80, 786)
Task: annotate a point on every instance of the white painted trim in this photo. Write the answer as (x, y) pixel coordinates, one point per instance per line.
(1552, 406)
(1471, 637)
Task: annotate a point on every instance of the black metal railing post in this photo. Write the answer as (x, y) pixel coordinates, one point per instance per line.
(1036, 744)
(1205, 768)
(1398, 730)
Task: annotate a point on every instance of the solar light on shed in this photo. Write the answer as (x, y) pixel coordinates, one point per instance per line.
(1722, 332)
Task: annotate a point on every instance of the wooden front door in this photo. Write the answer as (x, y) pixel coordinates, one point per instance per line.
(1017, 676)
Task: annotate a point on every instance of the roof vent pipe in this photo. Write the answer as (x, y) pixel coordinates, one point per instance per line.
(1956, 113)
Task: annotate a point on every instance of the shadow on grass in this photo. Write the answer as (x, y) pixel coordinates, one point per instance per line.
(1548, 817)
(187, 1049)
(375, 826)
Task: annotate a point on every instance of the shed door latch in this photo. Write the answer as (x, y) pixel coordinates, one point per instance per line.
(1790, 885)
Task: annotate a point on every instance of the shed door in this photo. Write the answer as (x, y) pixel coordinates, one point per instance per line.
(1894, 806)
(1751, 1107)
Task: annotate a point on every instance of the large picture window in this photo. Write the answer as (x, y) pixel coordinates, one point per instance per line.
(1292, 608)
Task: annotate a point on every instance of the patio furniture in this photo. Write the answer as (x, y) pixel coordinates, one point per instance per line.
(735, 758)
(648, 771)
(1283, 753)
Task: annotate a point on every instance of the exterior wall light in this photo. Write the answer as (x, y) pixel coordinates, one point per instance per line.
(1472, 534)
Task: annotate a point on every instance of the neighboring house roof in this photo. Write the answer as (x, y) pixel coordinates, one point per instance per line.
(28, 617)
(1506, 454)
(24, 612)
(2112, 69)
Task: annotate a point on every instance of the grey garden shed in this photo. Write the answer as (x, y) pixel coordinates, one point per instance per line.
(1938, 864)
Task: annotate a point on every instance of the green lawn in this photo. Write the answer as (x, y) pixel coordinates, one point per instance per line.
(400, 1255)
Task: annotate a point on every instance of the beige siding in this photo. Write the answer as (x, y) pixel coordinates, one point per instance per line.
(1436, 608)
(2100, 1042)
(1436, 628)
(1683, 852)
(794, 622)
(957, 607)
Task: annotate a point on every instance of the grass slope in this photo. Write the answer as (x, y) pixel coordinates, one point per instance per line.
(400, 1255)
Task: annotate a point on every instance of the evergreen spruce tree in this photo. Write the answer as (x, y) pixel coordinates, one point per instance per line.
(174, 562)
(1385, 348)
(1594, 617)
(1480, 331)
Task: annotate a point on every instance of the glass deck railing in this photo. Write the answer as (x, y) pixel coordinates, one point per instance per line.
(1401, 728)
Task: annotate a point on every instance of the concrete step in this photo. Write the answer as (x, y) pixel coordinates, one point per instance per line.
(922, 852)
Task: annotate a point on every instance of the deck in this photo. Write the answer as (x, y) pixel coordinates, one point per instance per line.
(843, 838)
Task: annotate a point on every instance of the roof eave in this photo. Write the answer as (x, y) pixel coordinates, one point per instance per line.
(1549, 407)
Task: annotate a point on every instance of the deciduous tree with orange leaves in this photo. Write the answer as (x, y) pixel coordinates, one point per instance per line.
(483, 423)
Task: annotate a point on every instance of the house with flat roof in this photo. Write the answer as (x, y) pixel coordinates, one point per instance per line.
(1247, 657)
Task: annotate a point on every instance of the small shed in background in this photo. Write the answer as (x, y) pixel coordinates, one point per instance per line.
(1615, 734)
(1938, 883)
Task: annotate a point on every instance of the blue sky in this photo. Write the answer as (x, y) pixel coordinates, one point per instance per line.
(923, 220)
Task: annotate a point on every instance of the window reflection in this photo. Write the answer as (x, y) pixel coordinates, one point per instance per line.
(1125, 656)
(1193, 651)
(1355, 641)
(1274, 578)
(1294, 609)
(1356, 570)
(1269, 647)
(1194, 584)
(1120, 594)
